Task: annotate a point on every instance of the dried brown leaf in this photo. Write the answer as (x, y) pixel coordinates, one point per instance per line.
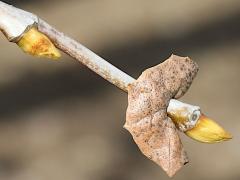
(146, 118)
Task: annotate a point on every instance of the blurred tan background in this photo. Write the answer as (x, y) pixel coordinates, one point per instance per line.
(60, 121)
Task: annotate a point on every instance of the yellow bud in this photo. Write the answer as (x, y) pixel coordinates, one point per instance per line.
(208, 131)
(36, 43)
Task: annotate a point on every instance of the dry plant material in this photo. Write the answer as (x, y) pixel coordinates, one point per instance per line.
(146, 119)
(152, 114)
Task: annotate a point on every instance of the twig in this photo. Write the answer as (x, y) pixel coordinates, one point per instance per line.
(86, 56)
(14, 22)
(96, 63)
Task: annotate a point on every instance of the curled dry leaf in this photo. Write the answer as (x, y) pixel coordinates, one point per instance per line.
(146, 118)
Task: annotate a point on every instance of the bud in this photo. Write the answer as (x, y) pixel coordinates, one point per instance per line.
(190, 120)
(36, 43)
(208, 131)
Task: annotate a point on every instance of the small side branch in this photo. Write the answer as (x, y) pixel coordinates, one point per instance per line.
(86, 57)
(15, 22)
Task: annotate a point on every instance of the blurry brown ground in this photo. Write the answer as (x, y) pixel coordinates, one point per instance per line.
(60, 121)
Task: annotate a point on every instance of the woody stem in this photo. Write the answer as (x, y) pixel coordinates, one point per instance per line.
(14, 22)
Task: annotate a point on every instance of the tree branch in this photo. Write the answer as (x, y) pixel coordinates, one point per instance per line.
(149, 96)
(15, 22)
(86, 57)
